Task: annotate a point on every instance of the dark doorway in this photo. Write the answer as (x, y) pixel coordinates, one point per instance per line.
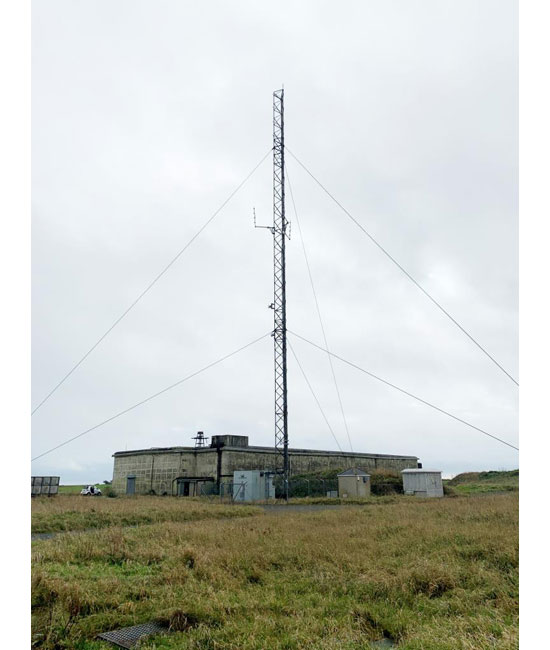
(131, 485)
(183, 488)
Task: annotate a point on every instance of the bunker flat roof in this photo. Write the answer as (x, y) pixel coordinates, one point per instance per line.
(257, 449)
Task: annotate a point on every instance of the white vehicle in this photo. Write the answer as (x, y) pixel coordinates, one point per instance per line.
(90, 491)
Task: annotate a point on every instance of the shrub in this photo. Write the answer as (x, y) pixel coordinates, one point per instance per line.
(448, 491)
(384, 482)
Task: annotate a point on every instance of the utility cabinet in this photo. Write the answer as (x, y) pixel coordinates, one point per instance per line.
(253, 485)
(422, 482)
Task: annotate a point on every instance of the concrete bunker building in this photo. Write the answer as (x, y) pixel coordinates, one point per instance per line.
(191, 471)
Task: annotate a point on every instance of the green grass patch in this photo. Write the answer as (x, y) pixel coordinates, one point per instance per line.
(485, 482)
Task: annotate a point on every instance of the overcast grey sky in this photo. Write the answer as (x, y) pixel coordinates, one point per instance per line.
(146, 115)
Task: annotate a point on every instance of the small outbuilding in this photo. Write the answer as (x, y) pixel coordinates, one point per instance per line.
(353, 483)
(422, 482)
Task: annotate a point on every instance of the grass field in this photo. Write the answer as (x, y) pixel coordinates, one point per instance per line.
(438, 574)
(484, 482)
(78, 513)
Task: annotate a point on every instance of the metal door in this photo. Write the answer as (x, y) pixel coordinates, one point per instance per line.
(131, 485)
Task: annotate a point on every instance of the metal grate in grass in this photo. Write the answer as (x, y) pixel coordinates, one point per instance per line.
(129, 637)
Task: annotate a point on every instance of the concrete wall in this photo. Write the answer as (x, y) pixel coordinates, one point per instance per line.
(305, 462)
(158, 469)
(309, 461)
(229, 441)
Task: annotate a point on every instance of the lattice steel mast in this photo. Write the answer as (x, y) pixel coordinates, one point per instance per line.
(279, 284)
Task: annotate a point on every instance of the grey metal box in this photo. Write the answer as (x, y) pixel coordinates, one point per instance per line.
(253, 485)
